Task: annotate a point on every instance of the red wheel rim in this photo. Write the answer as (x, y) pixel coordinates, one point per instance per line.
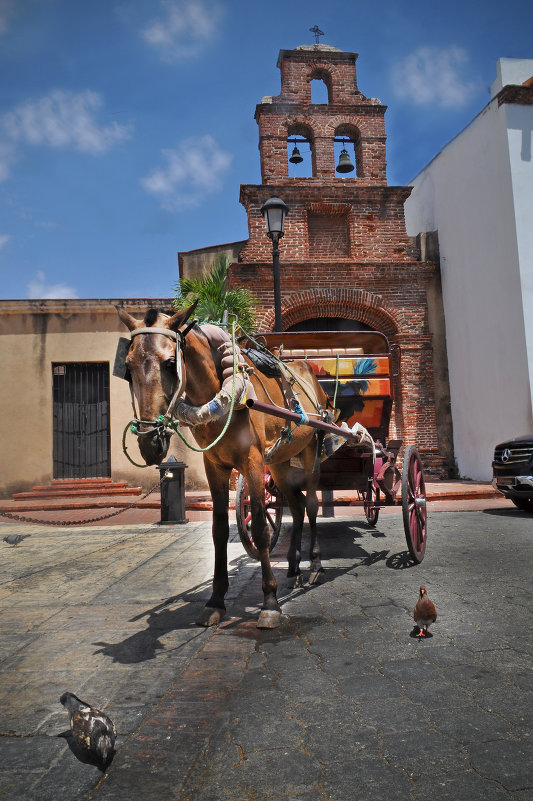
(414, 504)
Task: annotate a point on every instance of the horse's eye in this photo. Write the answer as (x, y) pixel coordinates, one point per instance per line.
(171, 364)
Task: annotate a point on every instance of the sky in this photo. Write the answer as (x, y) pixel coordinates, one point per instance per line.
(127, 126)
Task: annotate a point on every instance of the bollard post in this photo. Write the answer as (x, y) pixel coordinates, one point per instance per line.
(328, 508)
(172, 474)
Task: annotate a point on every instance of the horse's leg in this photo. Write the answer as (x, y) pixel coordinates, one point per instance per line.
(218, 478)
(316, 573)
(270, 615)
(296, 502)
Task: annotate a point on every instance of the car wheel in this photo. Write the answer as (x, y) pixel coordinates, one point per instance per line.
(525, 504)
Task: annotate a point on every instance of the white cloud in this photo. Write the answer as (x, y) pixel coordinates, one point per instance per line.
(6, 10)
(432, 76)
(38, 289)
(7, 159)
(193, 170)
(184, 29)
(4, 239)
(64, 120)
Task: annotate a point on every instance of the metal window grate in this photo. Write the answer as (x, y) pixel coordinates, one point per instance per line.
(81, 430)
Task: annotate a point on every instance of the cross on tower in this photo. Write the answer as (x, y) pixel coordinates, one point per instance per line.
(317, 32)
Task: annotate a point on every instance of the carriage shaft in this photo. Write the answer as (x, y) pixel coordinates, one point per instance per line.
(294, 417)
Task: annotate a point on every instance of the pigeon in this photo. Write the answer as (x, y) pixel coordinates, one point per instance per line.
(424, 613)
(14, 539)
(92, 729)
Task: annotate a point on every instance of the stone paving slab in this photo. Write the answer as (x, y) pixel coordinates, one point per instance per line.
(106, 613)
(341, 702)
(381, 714)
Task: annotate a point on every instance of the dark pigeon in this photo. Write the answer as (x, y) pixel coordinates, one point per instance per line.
(14, 539)
(93, 730)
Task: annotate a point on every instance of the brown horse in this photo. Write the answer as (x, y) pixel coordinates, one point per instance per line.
(151, 361)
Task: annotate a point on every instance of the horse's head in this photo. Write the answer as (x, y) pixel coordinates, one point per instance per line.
(156, 366)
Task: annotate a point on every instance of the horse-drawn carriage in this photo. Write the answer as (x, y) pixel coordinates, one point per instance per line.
(355, 369)
(320, 391)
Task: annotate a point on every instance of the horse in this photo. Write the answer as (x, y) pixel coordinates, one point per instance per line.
(171, 363)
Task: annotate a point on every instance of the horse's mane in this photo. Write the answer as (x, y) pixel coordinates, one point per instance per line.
(199, 330)
(151, 316)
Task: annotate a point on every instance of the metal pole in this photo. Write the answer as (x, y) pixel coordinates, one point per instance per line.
(277, 283)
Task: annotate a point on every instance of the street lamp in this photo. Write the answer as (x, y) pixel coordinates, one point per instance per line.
(274, 212)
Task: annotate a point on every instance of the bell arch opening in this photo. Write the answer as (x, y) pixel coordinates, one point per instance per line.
(300, 152)
(321, 89)
(347, 148)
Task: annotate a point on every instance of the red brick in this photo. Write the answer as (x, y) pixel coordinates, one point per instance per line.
(345, 252)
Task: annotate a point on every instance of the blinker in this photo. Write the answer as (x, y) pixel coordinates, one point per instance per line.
(120, 369)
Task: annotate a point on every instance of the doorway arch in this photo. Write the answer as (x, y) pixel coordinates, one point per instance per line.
(350, 304)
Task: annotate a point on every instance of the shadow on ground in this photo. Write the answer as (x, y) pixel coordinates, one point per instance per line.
(144, 645)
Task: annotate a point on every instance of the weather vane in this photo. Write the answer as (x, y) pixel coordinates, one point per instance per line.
(316, 30)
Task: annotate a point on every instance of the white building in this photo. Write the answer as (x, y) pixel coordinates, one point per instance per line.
(478, 194)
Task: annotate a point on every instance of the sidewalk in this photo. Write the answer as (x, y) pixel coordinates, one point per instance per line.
(198, 504)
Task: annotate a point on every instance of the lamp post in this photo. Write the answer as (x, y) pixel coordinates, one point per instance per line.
(274, 212)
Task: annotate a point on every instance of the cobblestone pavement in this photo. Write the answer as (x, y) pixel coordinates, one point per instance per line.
(340, 703)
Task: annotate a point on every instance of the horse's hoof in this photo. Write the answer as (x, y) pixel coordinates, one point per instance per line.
(269, 619)
(316, 576)
(295, 581)
(210, 616)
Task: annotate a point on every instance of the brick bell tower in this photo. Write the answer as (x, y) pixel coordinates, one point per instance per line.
(345, 252)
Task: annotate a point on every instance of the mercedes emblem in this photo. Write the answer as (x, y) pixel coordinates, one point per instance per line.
(506, 455)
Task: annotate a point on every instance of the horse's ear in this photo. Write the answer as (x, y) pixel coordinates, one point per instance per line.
(180, 317)
(129, 321)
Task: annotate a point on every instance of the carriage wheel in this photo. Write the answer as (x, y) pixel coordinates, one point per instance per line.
(370, 501)
(273, 509)
(414, 503)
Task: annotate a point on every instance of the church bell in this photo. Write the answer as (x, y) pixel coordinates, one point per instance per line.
(344, 165)
(295, 158)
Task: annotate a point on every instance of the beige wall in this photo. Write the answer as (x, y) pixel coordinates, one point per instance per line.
(193, 263)
(35, 334)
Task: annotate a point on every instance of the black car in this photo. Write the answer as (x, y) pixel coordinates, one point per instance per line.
(512, 471)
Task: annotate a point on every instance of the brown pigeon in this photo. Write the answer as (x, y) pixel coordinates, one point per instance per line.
(92, 729)
(424, 613)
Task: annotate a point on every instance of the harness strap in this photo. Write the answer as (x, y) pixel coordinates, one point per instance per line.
(153, 330)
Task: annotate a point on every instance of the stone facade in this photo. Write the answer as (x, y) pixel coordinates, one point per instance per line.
(345, 252)
(37, 335)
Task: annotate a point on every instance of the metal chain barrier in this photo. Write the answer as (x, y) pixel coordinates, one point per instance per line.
(106, 516)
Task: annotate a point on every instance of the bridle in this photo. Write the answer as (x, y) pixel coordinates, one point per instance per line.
(163, 421)
(166, 424)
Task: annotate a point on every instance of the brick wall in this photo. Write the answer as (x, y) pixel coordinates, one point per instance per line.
(345, 252)
(328, 235)
(375, 219)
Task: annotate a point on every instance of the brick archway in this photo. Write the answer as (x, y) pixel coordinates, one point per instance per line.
(355, 304)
